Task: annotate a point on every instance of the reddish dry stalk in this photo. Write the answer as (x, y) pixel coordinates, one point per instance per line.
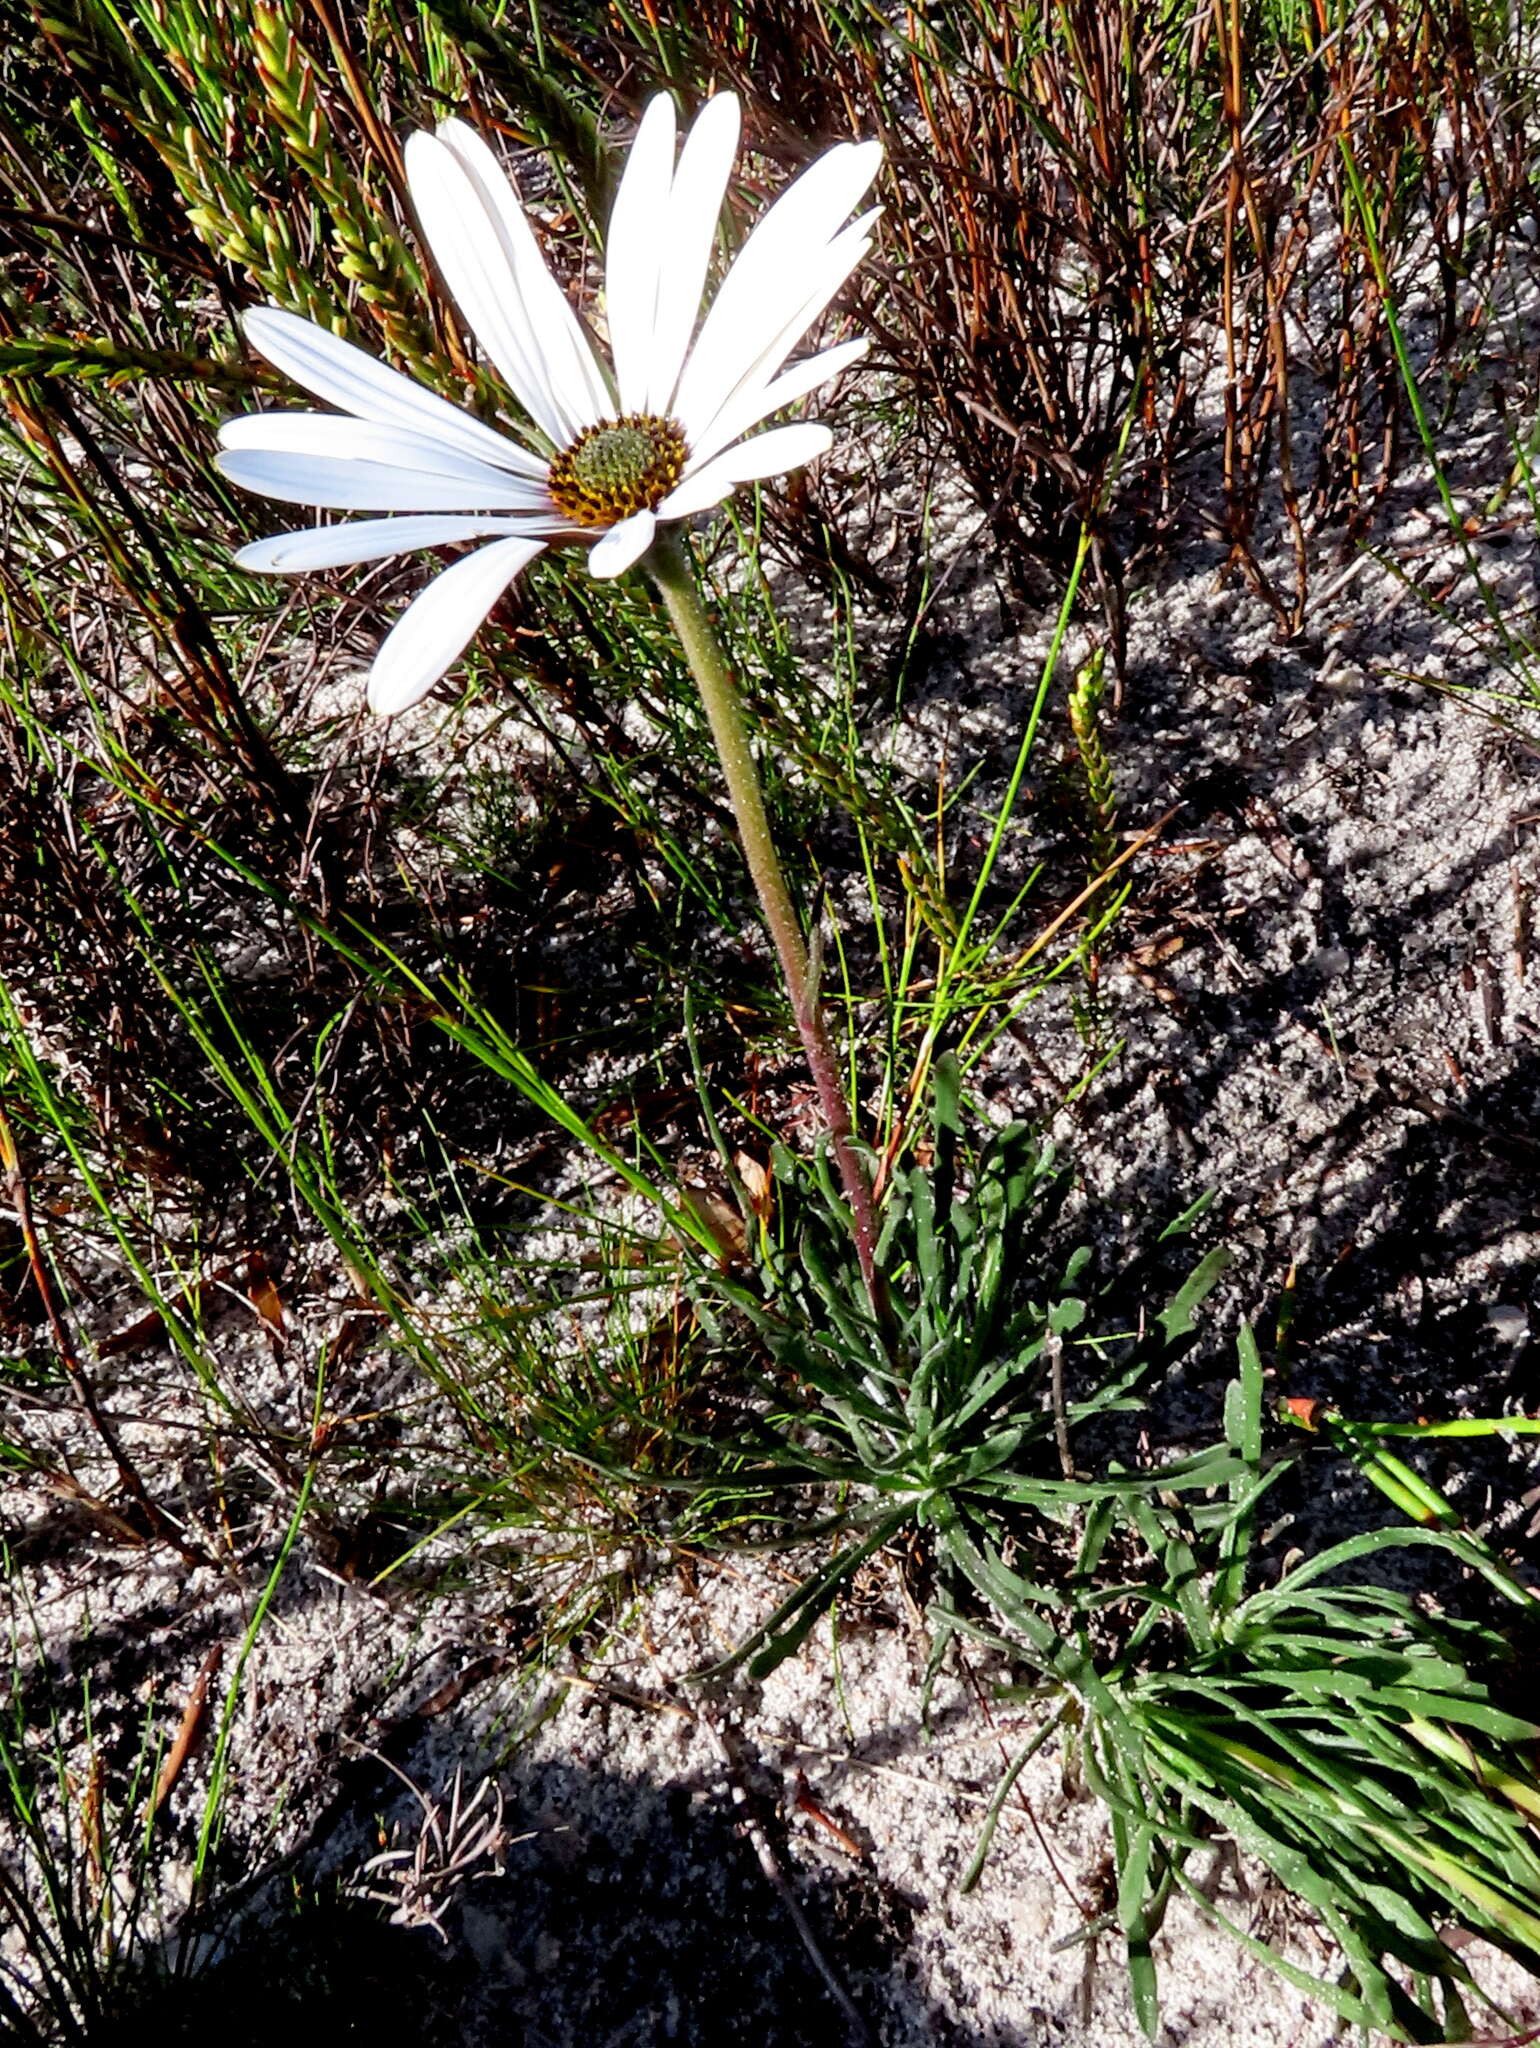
(128, 1473)
(187, 1729)
(1073, 215)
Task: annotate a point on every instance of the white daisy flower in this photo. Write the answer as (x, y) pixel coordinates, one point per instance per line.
(660, 439)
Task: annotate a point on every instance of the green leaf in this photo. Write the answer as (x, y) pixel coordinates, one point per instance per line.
(1133, 1852)
(1177, 1319)
(1243, 1401)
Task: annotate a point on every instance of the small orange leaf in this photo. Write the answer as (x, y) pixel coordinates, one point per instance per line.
(719, 1217)
(1304, 1409)
(263, 1294)
(756, 1183)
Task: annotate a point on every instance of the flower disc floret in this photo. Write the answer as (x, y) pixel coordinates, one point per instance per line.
(616, 468)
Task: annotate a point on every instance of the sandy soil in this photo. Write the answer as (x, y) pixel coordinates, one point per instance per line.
(1329, 999)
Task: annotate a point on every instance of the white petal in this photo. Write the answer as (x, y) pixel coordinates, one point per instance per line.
(439, 623)
(792, 238)
(634, 249)
(622, 545)
(493, 264)
(705, 164)
(331, 438)
(345, 376)
(769, 454)
(755, 400)
(334, 486)
(480, 276)
(358, 540)
(751, 351)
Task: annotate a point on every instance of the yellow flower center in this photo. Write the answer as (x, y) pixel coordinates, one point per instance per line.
(617, 468)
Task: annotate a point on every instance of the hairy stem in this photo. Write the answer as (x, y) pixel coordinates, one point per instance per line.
(672, 573)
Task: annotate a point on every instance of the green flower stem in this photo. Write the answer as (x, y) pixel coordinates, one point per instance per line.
(672, 573)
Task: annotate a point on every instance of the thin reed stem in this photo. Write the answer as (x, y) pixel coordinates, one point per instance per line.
(675, 579)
